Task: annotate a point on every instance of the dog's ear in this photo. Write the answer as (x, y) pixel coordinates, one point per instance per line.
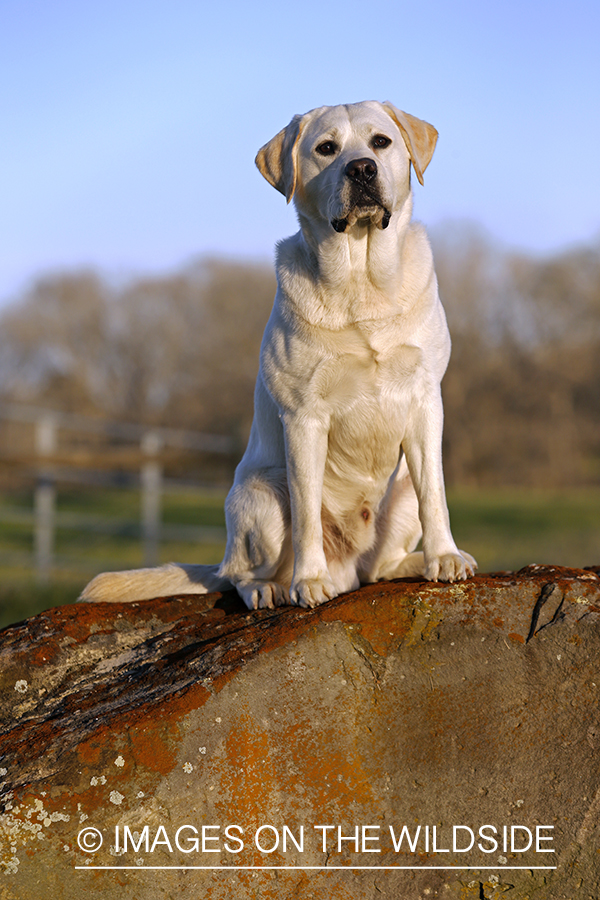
(277, 161)
(420, 138)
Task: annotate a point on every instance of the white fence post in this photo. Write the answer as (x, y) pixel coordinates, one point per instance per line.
(151, 479)
(45, 498)
(46, 424)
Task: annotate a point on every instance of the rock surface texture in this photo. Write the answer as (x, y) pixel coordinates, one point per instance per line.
(408, 740)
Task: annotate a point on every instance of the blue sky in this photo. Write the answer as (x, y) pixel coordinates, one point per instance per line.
(129, 129)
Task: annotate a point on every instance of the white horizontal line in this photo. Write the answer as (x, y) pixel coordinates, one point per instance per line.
(323, 868)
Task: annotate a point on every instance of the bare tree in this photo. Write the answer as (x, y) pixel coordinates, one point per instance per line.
(522, 393)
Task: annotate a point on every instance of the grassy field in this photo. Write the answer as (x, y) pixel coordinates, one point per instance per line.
(504, 529)
(510, 528)
(81, 552)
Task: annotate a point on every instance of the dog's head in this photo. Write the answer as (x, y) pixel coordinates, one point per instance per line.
(348, 164)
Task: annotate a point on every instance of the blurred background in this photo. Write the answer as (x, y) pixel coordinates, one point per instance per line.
(136, 243)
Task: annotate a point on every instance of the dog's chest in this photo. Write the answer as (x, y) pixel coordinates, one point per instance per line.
(359, 377)
(373, 367)
(369, 392)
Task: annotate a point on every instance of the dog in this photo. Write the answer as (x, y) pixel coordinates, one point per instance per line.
(343, 471)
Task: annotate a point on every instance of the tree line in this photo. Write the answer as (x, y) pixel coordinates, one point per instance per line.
(521, 395)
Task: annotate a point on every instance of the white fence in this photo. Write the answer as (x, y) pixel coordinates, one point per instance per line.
(49, 468)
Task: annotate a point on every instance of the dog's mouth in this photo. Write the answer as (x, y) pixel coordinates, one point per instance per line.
(366, 205)
(382, 220)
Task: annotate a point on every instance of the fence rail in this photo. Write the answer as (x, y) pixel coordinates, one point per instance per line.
(48, 466)
(49, 420)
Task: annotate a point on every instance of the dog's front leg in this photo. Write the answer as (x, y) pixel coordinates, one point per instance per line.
(422, 445)
(306, 452)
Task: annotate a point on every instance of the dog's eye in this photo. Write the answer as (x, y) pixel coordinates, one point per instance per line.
(327, 148)
(380, 141)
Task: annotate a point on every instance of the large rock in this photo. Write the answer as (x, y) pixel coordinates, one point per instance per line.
(442, 708)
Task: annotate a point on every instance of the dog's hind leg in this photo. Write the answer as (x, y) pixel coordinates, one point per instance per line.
(259, 559)
(398, 531)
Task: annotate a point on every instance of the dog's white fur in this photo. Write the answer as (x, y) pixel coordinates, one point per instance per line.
(343, 469)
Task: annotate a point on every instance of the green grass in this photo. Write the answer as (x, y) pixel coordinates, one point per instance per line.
(21, 597)
(81, 553)
(511, 528)
(503, 529)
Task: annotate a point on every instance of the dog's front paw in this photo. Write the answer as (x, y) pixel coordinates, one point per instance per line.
(262, 594)
(450, 567)
(470, 561)
(311, 592)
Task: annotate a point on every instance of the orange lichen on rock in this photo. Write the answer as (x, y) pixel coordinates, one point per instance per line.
(402, 703)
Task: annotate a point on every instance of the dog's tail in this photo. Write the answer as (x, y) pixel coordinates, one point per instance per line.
(147, 584)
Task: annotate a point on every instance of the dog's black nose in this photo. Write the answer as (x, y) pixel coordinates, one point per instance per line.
(362, 170)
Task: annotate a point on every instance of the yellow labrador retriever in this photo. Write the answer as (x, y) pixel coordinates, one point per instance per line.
(343, 470)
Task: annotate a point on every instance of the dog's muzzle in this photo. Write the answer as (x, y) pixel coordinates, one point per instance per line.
(362, 173)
